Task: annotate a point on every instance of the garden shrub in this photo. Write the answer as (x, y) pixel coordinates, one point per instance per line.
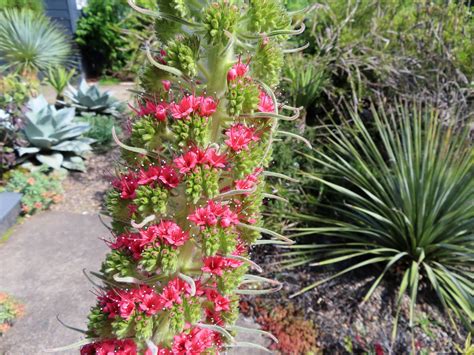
(14, 92)
(366, 48)
(402, 199)
(99, 39)
(186, 205)
(10, 310)
(34, 5)
(39, 188)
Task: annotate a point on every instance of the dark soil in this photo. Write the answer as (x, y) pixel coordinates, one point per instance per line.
(346, 324)
(84, 192)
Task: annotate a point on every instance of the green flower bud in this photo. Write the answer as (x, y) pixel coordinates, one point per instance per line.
(265, 16)
(117, 262)
(150, 258)
(97, 324)
(177, 319)
(146, 133)
(151, 200)
(192, 310)
(210, 241)
(218, 18)
(230, 316)
(268, 62)
(169, 260)
(242, 96)
(143, 328)
(183, 54)
(122, 328)
(193, 130)
(230, 280)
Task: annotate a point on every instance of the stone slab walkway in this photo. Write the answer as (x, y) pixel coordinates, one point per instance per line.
(41, 265)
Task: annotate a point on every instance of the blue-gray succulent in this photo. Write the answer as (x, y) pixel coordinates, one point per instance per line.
(55, 139)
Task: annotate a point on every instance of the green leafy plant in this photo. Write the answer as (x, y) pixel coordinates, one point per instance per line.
(100, 130)
(99, 38)
(54, 138)
(468, 347)
(38, 188)
(88, 98)
(59, 77)
(10, 309)
(30, 42)
(34, 5)
(402, 198)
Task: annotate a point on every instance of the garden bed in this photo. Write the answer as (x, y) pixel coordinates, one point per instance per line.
(342, 322)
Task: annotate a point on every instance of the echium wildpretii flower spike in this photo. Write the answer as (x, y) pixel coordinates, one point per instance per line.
(187, 207)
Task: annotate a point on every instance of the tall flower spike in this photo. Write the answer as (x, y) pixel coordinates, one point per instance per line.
(194, 182)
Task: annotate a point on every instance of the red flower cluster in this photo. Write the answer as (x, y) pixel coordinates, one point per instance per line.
(214, 214)
(238, 70)
(203, 106)
(143, 299)
(239, 137)
(195, 341)
(208, 158)
(167, 232)
(166, 175)
(150, 108)
(127, 184)
(110, 346)
(216, 265)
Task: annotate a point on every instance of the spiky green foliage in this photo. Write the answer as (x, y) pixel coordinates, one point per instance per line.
(55, 140)
(58, 78)
(405, 201)
(30, 42)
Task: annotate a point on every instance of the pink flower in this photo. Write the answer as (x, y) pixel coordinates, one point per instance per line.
(172, 234)
(149, 235)
(150, 175)
(231, 74)
(166, 84)
(266, 103)
(195, 342)
(214, 317)
(238, 70)
(169, 177)
(186, 162)
(187, 105)
(214, 159)
(239, 137)
(249, 181)
(152, 109)
(208, 106)
(203, 217)
(127, 184)
(110, 346)
(221, 303)
(132, 242)
(214, 265)
(161, 112)
(172, 294)
(212, 214)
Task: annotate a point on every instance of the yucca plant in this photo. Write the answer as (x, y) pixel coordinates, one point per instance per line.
(405, 197)
(30, 42)
(58, 77)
